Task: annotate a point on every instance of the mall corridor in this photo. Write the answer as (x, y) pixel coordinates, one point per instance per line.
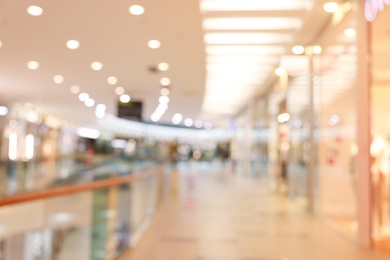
(218, 215)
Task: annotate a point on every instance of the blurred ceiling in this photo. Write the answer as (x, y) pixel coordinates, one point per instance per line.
(221, 54)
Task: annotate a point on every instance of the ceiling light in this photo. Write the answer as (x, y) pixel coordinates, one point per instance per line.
(330, 7)
(350, 32)
(35, 10)
(165, 81)
(163, 66)
(75, 89)
(253, 23)
(96, 65)
(119, 91)
(124, 98)
(89, 102)
(164, 100)
(176, 119)
(83, 97)
(1, 44)
(188, 122)
(317, 49)
(58, 79)
(136, 10)
(33, 65)
(72, 44)
(112, 80)
(164, 91)
(280, 71)
(246, 38)
(298, 49)
(3, 111)
(101, 107)
(154, 44)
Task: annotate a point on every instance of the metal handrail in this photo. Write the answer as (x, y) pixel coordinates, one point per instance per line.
(54, 192)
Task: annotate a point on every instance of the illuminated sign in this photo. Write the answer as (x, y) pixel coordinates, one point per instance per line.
(373, 7)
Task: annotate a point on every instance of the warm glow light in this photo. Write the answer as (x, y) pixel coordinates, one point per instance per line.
(165, 81)
(13, 146)
(72, 44)
(125, 98)
(33, 65)
(330, 7)
(96, 65)
(83, 97)
(58, 79)
(75, 89)
(317, 49)
(350, 32)
(251, 23)
(119, 90)
(29, 149)
(112, 80)
(89, 102)
(282, 118)
(35, 10)
(246, 38)
(136, 10)
(298, 49)
(280, 72)
(163, 66)
(154, 44)
(164, 91)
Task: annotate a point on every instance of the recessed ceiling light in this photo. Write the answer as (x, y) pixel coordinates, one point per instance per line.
(165, 81)
(1, 44)
(298, 49)
(119, 90)
(136, 10)
(124, 98)
(163, 66)
(33, 65)
(83, 97)
(75, 89)
(101, 107)
(35, 10)
(350, 32)
(89, 102)
(58, 79)
(164, 91)
(330, 7)
(317, 49)
(96, 65)
(3, 110)
(72, 44)
(112, 80)
(154, 44)
(163, 100)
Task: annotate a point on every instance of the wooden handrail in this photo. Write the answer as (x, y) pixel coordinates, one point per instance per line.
(45, 194)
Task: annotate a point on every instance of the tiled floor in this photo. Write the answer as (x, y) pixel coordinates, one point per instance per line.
(218, 216)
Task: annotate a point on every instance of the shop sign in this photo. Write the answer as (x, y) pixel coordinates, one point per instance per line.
(373, 7)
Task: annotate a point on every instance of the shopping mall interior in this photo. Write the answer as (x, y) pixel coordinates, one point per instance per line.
(197, 129)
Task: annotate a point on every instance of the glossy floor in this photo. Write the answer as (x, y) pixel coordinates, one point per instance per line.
(216, 215)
